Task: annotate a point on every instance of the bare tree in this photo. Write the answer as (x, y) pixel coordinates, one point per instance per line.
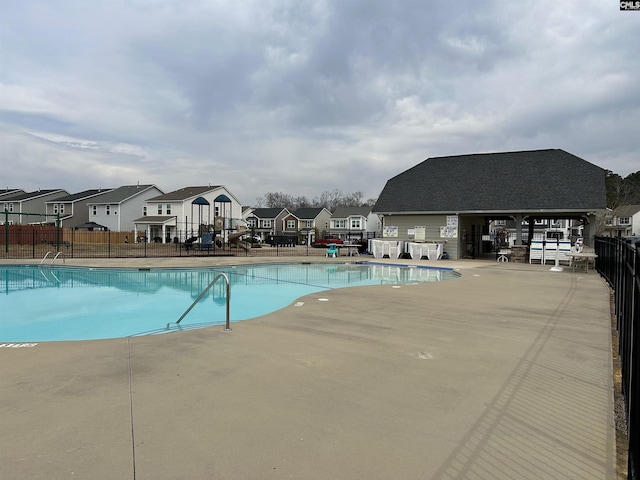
(329, 199)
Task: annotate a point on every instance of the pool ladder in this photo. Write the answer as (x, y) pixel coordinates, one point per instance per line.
(54, 258)
(204, 292)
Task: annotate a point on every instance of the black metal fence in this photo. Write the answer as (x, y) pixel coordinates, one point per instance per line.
(619, 263)
(36, 242)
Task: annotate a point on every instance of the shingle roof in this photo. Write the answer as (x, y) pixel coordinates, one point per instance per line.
(307, 213)
(10, 192)
(184, 193)
(39, 193)
(266, 212)
(345, 212)
(627, 210)
(511, 181)
(119, 194)
(80, 195)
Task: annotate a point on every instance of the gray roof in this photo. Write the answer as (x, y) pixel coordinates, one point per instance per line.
(119, 194)
(266, 212)
(39, 193)
(307, 213)
(627, 210)
(80, 195)
(10, 192)
(524, 181)
(346, 212)
(183, 193)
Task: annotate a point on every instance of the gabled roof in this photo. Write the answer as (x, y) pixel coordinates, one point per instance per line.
(523, 181)
(80, 195)
(119, 194)
(10, 192)
(346, 212)
(265, 213)
(40, 193)
(626, 210)
(184, 193)
(308, 213)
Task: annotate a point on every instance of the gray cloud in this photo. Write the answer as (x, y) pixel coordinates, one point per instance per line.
(306, 96)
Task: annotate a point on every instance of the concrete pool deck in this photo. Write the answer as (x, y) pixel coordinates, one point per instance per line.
(503, 373)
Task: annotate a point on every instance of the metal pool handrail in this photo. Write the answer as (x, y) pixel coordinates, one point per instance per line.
(45, 257)
(54, 258)
(204, 292)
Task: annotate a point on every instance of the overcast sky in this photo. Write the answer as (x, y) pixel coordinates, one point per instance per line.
(306, 96)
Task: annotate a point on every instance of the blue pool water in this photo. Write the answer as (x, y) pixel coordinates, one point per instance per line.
(66, 303)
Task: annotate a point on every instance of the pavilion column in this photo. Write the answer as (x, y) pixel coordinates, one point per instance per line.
(518, 219)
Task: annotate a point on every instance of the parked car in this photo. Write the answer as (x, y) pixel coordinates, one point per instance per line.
(325, 241)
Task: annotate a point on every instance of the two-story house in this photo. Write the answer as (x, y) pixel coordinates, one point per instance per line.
(30, 208)
(118, 208)
(72, 208)
(355, 223)
(624, 221)
(265, 222)
(188, 212)
(304, 223)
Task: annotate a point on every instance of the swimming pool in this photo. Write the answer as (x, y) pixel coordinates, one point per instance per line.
(70, 303)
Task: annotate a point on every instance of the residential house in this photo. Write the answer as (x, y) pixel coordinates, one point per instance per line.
(623, 221)
(305, 222)
(118, 208)
(189, 212)
(354, 223)
(8, 206)
(452, 200)
(30, 208)
(72, 208)
(266, 222)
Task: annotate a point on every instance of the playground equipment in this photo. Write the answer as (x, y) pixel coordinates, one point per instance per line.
(236, 239)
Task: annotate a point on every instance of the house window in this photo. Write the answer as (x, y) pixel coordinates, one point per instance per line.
(291, 224)
(159, 209)
(624, 221)
(500, 223)
(339, 223)
(266, 223)
(144, 211)
(108, 210)
(251, 222)
(309, 224)
(355, 224)
(95, 209)
(58, 208)
(11, 207)
(168, 209)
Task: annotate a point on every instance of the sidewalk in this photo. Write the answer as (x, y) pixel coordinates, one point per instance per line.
(504, 373)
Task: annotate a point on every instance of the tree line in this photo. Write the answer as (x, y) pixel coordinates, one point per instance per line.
(327, 199)
(622, 191)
